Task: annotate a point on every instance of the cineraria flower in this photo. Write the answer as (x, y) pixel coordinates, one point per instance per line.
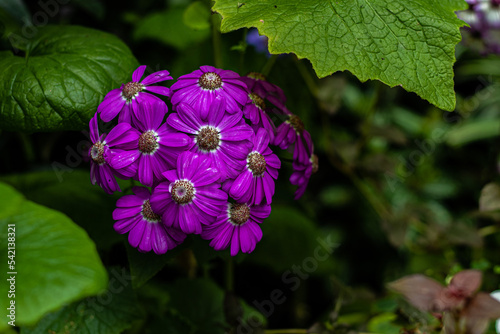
(288, 131)
(238, 226)
(155, 147)
(147, 232)
(101, 155)
(302, 173)
(255, 185)
(257, 83)
(200, 88)
(223, 139)
(129, 96)
(192, 196)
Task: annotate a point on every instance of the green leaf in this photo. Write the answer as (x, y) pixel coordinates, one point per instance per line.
(55, 261)
(108, 313)
(16, 9)
(201, 301)
(64, 76)
(476, 129)
(169, 28)
(197, 16)
(400, 42)
(72, 193)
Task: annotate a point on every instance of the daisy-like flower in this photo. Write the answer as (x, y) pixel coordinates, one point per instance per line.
(258, 84)
(135, 216)
(255, 185)
(288, 131)
(156, 146)
(200, 88)
(129, 96)
(238, 226)
(192, 196)
(223, 139)
(102, 152)
(302, 173)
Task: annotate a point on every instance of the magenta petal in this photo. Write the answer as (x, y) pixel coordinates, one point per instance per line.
(141, 192)
(113, 136)
(235, 242)
(159, 90)
(187, 220)
(156, 77)
(238, 133)
(261, 140)
(124, 159)
(123, 213)
(145, 170)
(241, 185)
(273, 161)
(207, 176)
(268, 184)
(124, 225)
(175, 121)
(146, 242)
(171, 175)
(94, 129)
(255, 230)
(111, 105)
(129, 201)
(135, 235)
(170, 215)
(137, 75)
(173, 139)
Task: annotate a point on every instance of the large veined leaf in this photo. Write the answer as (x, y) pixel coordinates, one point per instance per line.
(64, 75)
(399, 42)
(55, 261)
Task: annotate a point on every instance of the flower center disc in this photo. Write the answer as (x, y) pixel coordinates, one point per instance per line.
(210, 80)
(208, 138)
(296, 123)
(97, 153)
(148, 142)
(148, 214)
(239, 213)
(257, 100)
(131, 89)
(256, 76)
(257, 163)
(182, 192)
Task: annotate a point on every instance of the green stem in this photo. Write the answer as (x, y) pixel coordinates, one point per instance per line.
(488, 230)
(269, 65)
(230, 275)
(29, 151)
(308, 78)
(216, 40)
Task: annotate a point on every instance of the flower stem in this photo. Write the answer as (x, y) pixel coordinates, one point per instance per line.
(306, 75)
(269, 65)
(216, 40)
(230, 275)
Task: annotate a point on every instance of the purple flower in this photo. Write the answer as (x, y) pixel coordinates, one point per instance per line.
(156, 146)
(101, 154)
(288, 131)
(192, 196)
(129, 96)
(200, 88)
(258, 41)
(302, 173)
(238, 226)
(223, 139)
(255, 185)
(147, 232)
(258, 84)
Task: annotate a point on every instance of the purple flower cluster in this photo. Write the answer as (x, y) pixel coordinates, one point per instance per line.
(483, 17)
(207, 163)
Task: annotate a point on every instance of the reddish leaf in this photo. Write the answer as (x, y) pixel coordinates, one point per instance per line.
(466, 282)
(419, 290)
